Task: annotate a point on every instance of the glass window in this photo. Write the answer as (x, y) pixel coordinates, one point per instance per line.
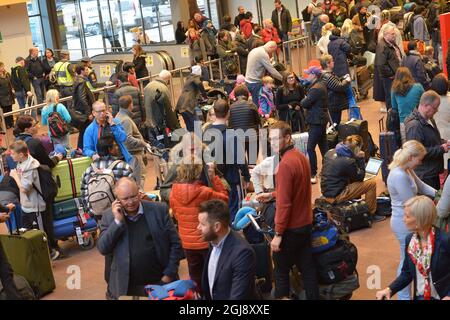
(33, 7)
(157, 20)
(210, 11)
(36, 33)
(69, 23)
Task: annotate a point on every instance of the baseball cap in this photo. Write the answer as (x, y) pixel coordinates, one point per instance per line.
(85, 59)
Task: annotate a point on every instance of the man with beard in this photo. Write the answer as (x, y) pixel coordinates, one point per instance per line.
(230, 267)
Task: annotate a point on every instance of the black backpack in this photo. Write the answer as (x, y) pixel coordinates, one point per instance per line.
(48, 185)
(336, 264)
(408, 30)
(56, 124)
(306, 16)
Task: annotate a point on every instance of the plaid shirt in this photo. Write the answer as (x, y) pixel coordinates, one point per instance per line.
(122, 169)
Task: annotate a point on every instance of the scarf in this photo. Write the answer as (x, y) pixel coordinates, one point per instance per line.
(422, 259)
(396, 48)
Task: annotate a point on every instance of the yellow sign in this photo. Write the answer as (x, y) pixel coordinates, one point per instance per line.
(149, 60)
(185, 52)
(105, 71)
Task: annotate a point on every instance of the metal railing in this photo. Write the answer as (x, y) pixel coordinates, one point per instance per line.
(176, 73)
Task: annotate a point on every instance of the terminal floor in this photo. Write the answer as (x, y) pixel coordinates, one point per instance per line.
(378, 250)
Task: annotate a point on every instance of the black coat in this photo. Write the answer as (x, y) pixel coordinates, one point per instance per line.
(140, 66)
(339, 172)
(339, 49)
(235, 273)
(35, 68)
(82, 97)
(417, 128)
(238, 18)
(316, 104)
(386, 60)
(6, 94)
(244, 115)
(336, 88)
(413, 61)
(47, 67)
(286, 20)
(243, 51)
(180, 35)
(283, 101)
(188, 100)
(440, 267)
(19, 79)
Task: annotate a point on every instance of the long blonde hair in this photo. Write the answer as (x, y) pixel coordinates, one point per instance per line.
(189, 170)
(409, 149)
(423, 209)
(347, 27)
(326, 28)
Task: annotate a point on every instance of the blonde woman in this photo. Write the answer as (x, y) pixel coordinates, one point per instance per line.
(403, 184)
(346, 29)
(325, 39)
(53, 105)
(427, 262)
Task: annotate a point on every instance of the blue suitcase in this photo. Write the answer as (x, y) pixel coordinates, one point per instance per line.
(14, 224)
(388, 146)
(66, 228)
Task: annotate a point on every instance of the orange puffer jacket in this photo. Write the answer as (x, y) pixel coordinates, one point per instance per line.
(185, 198)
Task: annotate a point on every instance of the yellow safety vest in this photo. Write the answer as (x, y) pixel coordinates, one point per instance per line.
(63, 76)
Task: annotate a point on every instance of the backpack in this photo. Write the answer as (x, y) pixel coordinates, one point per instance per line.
(306, 16)
(49, 188)
(177, 290)
(408, 30)
(324, 234)
(100, 188)
(56, 124)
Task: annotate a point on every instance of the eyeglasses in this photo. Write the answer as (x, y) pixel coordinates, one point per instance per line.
(100, 111)
(129, 199)
(290, 78)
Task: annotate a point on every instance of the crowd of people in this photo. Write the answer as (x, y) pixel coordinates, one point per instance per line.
(139, 239)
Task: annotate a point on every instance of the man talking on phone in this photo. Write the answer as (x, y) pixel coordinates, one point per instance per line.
(142, 240)
(104, 124)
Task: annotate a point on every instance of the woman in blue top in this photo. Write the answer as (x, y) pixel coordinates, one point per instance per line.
(52, 99)
(403, 184)
(405, 96)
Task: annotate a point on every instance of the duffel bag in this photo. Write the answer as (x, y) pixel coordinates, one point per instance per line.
(336, 264)
(352, 215)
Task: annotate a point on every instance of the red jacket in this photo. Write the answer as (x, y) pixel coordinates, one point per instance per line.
(185, 198)
(293, 192)
(246, 27)
(270, 35)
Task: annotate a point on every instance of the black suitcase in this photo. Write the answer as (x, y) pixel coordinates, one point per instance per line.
(352, 215)
(388, 146)
(384, 207)
(358, 127)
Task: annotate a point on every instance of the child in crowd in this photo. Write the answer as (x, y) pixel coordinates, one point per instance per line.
(240, 80)
(28, 177)
(266, 101)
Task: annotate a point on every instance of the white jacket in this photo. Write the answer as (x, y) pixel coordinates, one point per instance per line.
(30, 200)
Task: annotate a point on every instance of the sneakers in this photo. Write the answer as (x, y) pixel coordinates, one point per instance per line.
(54, 254)
(377, 218)
(383, 110)
(313, 180)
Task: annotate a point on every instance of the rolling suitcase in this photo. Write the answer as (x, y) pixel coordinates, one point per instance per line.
(67, 209)
(388, 146)
(29, 257)
(68, 174)
(301, 142)
(351, 215)
(358, 127)
(263, 265)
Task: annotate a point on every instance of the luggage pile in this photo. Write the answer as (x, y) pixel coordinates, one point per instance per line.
(335, 258)
(71, 219)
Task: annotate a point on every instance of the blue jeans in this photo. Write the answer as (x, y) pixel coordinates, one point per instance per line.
(254, 89)
(20, 96)
(235, 200)
(317, 136)
(285, 37)
(39, 89)
(336, 117)
(401, 232)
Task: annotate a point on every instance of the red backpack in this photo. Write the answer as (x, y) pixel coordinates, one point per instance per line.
(56, 124)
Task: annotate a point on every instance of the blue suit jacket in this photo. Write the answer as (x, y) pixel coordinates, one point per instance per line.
(440, 267)
(114, 241)
(236, 271)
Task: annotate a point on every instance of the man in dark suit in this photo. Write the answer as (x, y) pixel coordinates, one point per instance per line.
(230, 267)
(142, 241)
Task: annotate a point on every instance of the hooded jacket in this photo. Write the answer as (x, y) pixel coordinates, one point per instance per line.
(418, 128)
(339, 49)
(340, 169)
(158, 106)
(30, 200)
(336, 88)
(192, 89)
(138, 105)
(316, 103)
(413, 61)
(185, 199)
(246, 28)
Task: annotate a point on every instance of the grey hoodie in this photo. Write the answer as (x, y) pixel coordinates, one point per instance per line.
(420, 29)
(30, 200)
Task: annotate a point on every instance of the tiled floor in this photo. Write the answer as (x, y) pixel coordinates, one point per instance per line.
(377, 249)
